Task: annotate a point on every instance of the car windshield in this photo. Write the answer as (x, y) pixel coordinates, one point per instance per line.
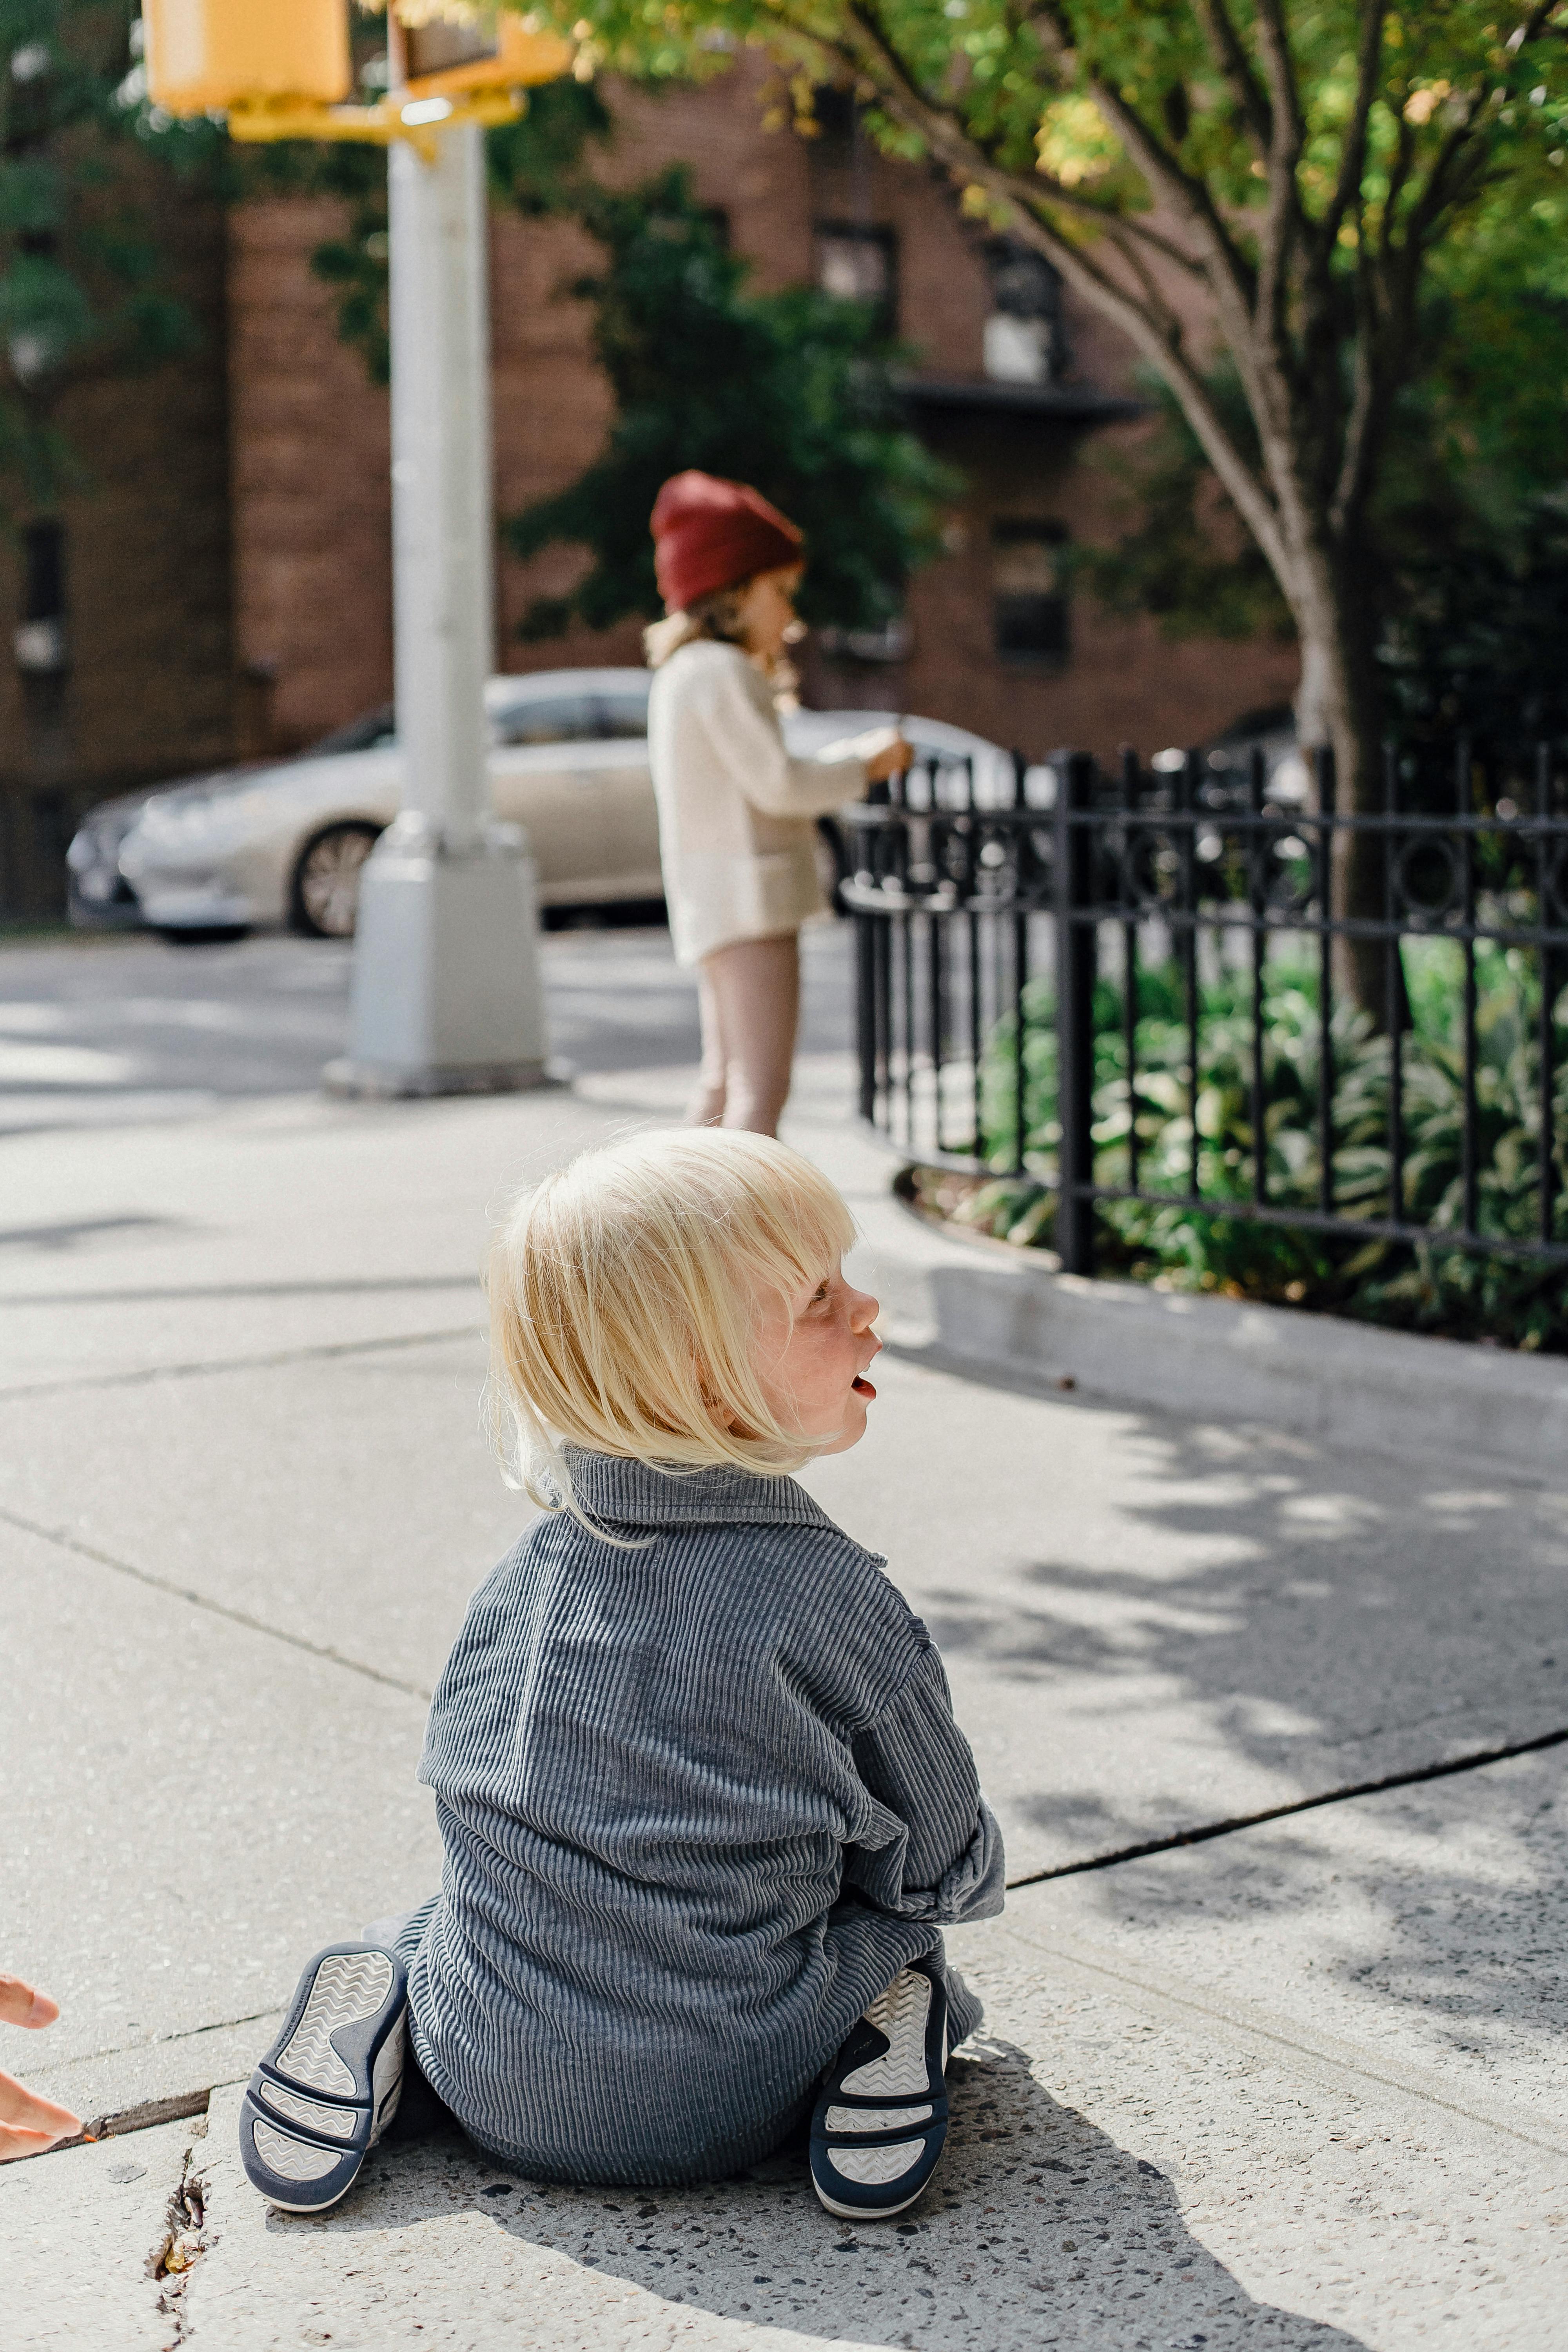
(374, 731)
(621, 714)
(548, 718)
(625, 713)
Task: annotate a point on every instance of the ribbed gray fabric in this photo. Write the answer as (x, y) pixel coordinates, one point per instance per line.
(702, 1800)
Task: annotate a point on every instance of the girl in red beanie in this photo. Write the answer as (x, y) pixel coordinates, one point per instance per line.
(736, 814)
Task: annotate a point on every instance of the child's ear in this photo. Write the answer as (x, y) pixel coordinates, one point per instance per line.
(713, 1405)
(724, 1417)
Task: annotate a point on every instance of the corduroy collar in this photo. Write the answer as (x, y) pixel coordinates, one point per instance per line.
(612, 1489)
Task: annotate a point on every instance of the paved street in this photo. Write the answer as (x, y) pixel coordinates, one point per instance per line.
(1301, 2085)
(108, 1029)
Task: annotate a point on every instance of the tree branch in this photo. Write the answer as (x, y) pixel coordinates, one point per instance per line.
(1318, 328)
(1230, 274)
(1162, 347)
(1445, 182)
(1398, 174)
(1441, 190)
(1143, 315)
(1280, 73)
(1283, 221)
(1369, 391)
(1040, 188)
(1384, 344)
(1236, 66)
(1353, 155)
(1159, 309)
(1150, 325)
(872, 55)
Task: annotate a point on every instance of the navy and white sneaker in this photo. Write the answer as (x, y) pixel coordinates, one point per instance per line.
(880, 2117)
(328, 2087)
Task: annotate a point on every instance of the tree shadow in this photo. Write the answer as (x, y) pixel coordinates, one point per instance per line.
(1427, 1911)
(1262, 1619)
(1039, 2231)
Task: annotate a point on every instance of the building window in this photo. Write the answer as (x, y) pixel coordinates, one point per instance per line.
(1029, 603)
(838, 121)
(1022, 336)
(41, 639)
(861, 265)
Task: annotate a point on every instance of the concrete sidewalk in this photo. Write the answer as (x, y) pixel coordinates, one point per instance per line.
(1301, 2085)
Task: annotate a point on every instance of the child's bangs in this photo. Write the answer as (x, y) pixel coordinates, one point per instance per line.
(625, 1294)
(799, 1226)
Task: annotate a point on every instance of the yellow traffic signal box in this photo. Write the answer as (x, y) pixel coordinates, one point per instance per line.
(207, 55)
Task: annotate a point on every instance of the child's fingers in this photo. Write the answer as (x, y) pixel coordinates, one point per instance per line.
(20, 2005)
(30, 2121)
(14, 2144)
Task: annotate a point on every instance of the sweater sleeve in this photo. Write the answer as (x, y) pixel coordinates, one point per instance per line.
(747, 736)
(941, 1857)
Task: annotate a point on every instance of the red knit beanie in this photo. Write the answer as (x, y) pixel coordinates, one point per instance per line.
(710, 534)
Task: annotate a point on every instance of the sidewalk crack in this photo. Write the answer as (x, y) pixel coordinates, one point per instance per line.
(67, 1542)
(1472, 1762)
(182, 2239)
(324, 1351)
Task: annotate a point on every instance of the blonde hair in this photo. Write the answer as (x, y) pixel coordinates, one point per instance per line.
(626, 1293)
(717, 616)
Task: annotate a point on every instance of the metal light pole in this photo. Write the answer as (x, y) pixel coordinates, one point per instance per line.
(447, 993)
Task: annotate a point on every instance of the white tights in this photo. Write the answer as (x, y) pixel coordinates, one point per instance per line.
(749, 993)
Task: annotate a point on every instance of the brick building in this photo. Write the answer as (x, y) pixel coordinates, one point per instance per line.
(120, 614)
(227, 581)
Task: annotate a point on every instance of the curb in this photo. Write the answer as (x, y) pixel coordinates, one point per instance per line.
(1338, 1382)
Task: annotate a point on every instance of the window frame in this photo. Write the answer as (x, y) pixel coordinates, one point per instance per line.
(882, 234)
(1042, 659)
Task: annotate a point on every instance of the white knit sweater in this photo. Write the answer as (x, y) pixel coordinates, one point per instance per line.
(735, 812)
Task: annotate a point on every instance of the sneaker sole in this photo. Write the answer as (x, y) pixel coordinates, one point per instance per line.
(871, 2213)
(904, 2067)
(323, 2095)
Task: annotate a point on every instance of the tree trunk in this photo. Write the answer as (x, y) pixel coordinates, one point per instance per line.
(1338, 705)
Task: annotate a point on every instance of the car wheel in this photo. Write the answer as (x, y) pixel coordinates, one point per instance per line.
(832, 871)
(326, 880)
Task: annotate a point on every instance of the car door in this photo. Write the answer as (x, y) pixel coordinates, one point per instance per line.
(631, 818)
(545, 774)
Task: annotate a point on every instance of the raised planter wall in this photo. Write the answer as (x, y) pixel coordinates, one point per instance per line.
(1338, 1382)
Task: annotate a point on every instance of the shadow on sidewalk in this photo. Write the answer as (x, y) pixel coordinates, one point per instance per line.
(1039, 2232)
(1239, 1616)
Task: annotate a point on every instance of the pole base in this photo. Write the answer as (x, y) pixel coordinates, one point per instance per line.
(446, 997)
(385, 1081)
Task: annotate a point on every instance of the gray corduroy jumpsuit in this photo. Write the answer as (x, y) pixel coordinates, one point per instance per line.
(701, 1799)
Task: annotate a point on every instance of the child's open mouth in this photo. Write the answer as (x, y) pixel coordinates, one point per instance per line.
(862, 1386)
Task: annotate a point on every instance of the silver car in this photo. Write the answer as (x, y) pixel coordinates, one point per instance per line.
(284, 844)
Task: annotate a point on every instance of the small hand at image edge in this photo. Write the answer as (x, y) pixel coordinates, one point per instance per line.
(29, 2123)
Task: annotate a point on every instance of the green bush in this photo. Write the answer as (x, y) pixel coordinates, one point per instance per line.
(1422, 1286)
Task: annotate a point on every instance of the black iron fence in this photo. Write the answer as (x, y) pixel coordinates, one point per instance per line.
(1200, 982)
